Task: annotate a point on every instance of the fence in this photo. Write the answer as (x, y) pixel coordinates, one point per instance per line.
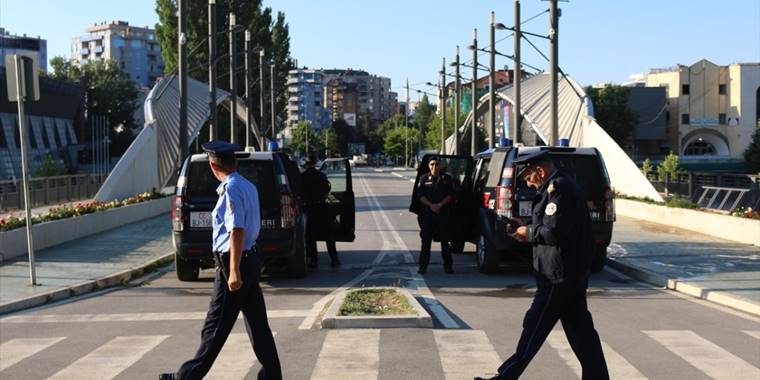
(720, 191)
(45, 191)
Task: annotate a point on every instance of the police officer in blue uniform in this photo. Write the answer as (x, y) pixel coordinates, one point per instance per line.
(236, 223)
(560, 233)
(434, 190)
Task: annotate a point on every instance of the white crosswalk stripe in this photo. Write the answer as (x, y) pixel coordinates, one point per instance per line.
(16, 350)
(135, 317)
(618, 367)
(235, 360)
(706, 356)
(110, 359)
(753, 333)
(465, 353)
(349, 354)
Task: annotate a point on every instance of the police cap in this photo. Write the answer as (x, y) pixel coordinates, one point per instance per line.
(531, 160)
(220, 148)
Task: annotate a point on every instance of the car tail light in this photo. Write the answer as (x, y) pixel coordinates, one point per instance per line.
(178, 214)
(504, 201)
(486, 198)
(287, 210)
(609, 205)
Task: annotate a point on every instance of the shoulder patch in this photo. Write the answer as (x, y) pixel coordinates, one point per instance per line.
(230, 206)
(550, 188)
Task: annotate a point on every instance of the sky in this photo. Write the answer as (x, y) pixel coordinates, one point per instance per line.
(600, 41)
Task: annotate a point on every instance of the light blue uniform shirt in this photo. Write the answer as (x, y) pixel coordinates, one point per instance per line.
(237, 207)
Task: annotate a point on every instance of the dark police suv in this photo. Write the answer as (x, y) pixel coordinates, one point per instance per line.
(489, 194)
(281, 241)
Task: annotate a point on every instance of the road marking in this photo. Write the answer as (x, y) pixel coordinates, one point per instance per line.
(465, 353)
(110, 359)
(349, 354)
(377, 209)
(618, 367)
(753, 333)
(16, 350)
(709, 358)
(135, 317)
(235, 360)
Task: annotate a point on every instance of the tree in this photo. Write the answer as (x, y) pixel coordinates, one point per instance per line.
(752, 154)
(668, 166)
(395, 140)
(612, 112)
(646, 166)
(433, 134)
(272, 36)
(110, 93)
(340, 134)
(50, 168)
(423, 113)
(303, 133)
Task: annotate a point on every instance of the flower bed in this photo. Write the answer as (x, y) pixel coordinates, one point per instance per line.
(375, 302)
(11, 222)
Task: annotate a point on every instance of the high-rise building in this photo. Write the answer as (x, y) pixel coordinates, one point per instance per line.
(135, 50)
(305, 98)
(30, 46)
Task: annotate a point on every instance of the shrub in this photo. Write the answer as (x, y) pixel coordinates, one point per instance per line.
(680, 202)
(746, 212)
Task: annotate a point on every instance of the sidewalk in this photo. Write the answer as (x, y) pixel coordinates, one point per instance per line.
(87, 264)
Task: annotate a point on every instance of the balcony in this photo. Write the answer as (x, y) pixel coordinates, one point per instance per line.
(292, 107)
(84, 52)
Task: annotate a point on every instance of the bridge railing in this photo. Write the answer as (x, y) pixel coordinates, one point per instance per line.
(697, 186)
(45, 191)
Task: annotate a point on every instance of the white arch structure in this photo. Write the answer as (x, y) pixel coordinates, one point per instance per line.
(576, 122)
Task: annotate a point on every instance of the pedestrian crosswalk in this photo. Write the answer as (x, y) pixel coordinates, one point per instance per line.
(356, 354)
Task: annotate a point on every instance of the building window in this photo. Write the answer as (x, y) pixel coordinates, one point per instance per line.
(722, 119)
(722, 89)
(685, 118)
(684, 89)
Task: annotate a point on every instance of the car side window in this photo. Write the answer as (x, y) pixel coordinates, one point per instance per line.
(336, 174)
(482, 174)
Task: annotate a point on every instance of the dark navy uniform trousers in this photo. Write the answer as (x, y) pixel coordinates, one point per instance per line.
(565, 302)
(434, 225)
(222, 314)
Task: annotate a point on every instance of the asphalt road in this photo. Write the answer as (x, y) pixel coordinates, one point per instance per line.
(138, 331)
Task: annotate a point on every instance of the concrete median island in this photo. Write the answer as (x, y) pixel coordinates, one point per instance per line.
(376, 307)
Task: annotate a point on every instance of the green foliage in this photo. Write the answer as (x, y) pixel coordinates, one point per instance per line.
(396, 139)
(303, 133)
(669, 166)
(646, 167)
(375, 302)
(612, 112)
(340, 134)
(267, 32)
(433, 130)
(50, 168)
(746, 212)
(113, 95)
(680, 202)
(752, 154)
(423, 113)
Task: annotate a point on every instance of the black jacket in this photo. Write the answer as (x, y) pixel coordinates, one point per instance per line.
(561, 231)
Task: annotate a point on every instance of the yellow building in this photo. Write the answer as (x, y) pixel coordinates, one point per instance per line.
(713, 111)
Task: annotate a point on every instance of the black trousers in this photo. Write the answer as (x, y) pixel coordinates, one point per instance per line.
(223, 311)
(565, 302)
(320, 222)
(433, 225)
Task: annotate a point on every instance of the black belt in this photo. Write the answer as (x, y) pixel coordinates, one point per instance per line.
(222, 260)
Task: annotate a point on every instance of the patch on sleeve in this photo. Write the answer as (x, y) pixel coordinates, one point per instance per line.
(551, 208)
(230, 206)
(550, 189)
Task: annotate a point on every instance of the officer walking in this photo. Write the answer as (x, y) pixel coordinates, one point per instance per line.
(435, 194)
(319, 221)
(236, 222)
(562, 248)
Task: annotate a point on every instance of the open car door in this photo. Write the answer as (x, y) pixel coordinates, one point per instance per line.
(341, 199)
(460, 169)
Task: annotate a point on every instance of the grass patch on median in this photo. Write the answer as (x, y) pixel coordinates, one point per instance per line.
(375, 302)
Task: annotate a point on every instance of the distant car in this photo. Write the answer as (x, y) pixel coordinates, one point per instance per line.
(281, 242)
(488, 193)
(358, 161)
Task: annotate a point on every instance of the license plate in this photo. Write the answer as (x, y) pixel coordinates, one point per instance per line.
(200, 219)
(525, 208)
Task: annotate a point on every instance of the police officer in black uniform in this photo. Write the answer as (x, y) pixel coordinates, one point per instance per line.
(562, 249)
(434, 190)
(319, 220)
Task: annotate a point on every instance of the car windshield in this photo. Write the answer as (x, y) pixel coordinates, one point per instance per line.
(202, 184)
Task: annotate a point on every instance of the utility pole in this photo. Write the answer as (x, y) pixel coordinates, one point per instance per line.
(406, 127)
(182, 72)
(457, 100)
(473, 132)
(554, 62)
(516, 79)
(233, 77)
(271, 99)
(443, 106)
(213, 122)
(492, 84)
(248, 97)
(262, 120)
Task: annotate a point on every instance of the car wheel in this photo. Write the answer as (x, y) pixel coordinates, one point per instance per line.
(487, 258)
(599, 259)
(186, 270)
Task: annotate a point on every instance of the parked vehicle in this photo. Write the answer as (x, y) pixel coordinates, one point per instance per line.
(491, 194)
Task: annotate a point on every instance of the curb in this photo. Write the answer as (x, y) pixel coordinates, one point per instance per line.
(333, 321)
(115, 279)
(685, 287)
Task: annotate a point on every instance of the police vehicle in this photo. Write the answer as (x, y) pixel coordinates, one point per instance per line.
(491, 194)
(281, 242)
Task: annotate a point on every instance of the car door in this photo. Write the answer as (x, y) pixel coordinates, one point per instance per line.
(341, 199)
